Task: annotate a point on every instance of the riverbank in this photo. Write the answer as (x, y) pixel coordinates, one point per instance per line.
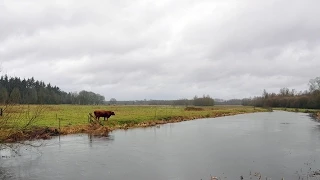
(315, 113)
(69, 119)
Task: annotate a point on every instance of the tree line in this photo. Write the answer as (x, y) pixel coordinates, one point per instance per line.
(30, 91)
(309, 99)
(205, 100)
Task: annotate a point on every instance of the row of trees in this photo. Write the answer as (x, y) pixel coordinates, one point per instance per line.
(196, 101)
(289, 98)
(205, 100)
(29, 91)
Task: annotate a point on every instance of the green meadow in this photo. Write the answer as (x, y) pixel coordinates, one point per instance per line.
(73, 115)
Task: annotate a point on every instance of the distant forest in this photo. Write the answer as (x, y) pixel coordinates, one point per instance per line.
(15, 90)
(309, 99)
(29, 91)
(205, 100)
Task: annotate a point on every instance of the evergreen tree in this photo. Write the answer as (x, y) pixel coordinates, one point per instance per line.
(15, 96)
(3, 95)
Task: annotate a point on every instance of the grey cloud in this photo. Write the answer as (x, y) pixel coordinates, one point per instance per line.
(258, 25)
(19, 23)
(163, 49)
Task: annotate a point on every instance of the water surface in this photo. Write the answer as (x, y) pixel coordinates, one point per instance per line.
(275, 144)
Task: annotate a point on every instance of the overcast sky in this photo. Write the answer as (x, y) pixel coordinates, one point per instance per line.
(147, 49)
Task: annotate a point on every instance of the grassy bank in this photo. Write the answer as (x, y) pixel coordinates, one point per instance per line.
(74, 118)
(297, 110)
(315, 113)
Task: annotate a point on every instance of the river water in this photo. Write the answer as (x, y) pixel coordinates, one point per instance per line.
(274, 144)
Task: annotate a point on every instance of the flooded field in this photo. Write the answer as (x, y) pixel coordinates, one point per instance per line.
(272, 145)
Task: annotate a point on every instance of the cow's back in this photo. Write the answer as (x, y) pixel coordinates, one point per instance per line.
(99, 112)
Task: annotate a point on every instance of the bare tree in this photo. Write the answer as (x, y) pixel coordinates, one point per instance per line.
(113, 101)
(16, 124)
(314, 84)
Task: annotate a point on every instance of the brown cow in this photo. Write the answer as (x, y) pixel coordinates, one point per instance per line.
(103, 113)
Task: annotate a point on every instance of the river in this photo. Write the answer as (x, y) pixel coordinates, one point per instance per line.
(274, 144)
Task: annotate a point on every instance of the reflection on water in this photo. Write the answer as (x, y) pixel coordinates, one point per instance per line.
(317, 127)
(94, 139)
(276, 145)
(24, 161)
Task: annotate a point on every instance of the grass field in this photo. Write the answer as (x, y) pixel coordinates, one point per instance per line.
(74, 118)
(72, 115)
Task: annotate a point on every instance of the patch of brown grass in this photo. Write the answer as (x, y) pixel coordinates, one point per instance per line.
(53, 108)
(316, 115)
(193, 109)
(13, 110)
(15, 135)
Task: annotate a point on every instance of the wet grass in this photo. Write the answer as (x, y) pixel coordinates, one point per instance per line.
(74, 118)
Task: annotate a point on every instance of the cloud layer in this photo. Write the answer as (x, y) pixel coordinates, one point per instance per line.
(147, 49)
